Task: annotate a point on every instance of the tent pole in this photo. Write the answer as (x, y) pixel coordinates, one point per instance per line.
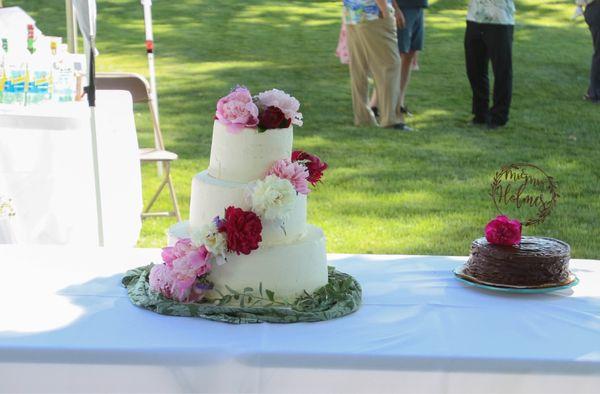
(85, 10)
(147, 6)
(71, 27)
(91, 93)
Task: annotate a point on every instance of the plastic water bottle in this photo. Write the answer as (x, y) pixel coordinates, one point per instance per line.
(31, 96)
(2, 71)
(39, 73)
(39, 80)
(52, 76)
(16, 74)
(63, 77)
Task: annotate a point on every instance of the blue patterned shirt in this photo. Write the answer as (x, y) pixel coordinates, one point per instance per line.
(357, 11)
(492, 11)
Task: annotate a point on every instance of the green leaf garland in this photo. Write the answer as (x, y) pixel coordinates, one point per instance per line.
(340, 297)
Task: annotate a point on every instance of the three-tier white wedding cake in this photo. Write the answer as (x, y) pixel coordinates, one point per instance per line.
(254, 179)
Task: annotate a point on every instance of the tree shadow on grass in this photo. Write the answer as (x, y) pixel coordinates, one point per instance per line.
(205, 48)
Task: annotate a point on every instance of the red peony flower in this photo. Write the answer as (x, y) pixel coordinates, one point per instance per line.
(243, 230)
(313, 164)
(503, 231)
(273, 118)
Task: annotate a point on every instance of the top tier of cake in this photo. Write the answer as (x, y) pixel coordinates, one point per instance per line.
(246, 156)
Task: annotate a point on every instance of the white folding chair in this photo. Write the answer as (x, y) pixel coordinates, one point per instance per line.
(138, 86)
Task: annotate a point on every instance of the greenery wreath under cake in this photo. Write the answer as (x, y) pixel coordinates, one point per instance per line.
(247, 249)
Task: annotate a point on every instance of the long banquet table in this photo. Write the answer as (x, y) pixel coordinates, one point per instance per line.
(46, 168)
(68, 326)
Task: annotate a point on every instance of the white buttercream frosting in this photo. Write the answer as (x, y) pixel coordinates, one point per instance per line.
(211, 196)
(247, 155)
(288, 270)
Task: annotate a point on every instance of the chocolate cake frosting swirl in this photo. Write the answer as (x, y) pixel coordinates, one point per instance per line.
(536, 261)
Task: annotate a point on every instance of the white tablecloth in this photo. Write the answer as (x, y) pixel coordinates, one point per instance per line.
(46, 168)
(68, 326)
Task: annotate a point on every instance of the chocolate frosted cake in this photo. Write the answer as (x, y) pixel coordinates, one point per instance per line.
(534, 262)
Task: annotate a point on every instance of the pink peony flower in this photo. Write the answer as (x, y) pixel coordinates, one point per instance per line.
(160, 280)
(168, 255)
(176, 278)
(237, 111)
(286, 103)
(186, 269)
(181, 248)
(294, 172)
(503, 231)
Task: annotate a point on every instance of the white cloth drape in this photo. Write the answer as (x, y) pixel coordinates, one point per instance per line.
(419, 330)
(46, 168)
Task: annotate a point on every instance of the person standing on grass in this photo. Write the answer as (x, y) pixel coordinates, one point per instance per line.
(489, 37)
(373, 48)
(592, 18)
(410, 41)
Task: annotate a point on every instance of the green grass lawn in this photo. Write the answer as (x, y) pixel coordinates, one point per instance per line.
(385, 192)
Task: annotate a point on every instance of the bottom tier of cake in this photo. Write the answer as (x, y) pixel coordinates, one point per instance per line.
(288, 270)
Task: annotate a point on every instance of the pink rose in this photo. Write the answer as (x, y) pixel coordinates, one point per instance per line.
(503, 231)
(237, 111)
(294, 172)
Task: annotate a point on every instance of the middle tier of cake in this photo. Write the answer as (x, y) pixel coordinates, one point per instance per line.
(210, 197)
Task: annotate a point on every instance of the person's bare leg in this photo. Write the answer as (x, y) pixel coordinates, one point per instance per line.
(373, 102)
(407, 60)
(415, 64)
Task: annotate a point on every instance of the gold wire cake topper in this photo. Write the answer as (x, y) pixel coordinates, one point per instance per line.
(525, 188)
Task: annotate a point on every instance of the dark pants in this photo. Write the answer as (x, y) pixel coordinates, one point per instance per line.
(485, 42)
(592, 17)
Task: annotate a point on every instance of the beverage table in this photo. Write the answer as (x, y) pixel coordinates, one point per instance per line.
(46, 168)
(68, 326)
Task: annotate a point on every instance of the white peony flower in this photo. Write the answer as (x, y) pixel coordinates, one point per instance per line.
(289, 105)
(273, 198)
(209, 236)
